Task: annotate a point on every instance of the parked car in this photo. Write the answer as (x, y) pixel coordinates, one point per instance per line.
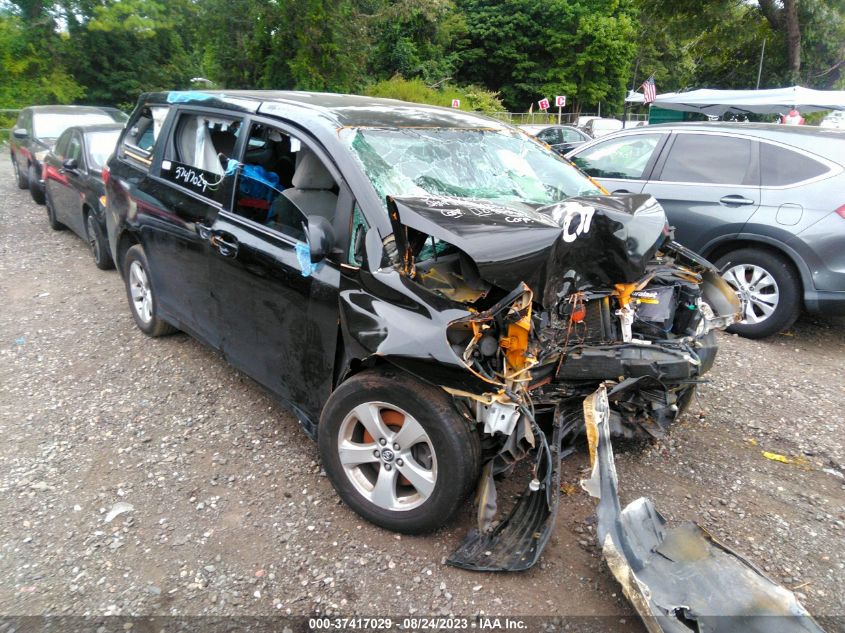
(835, 120)
(598, 126)
(561, 138)
(764, 202)
(36, 131)
(73, 185)
(426, 288)
(581, 121)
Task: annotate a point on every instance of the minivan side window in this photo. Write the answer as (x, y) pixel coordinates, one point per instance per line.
(780, 166)
(710, 159)
(282, 182)
(625, 157)
(198, 154)
(141, 136)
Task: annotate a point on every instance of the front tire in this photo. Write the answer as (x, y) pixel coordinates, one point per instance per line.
(35, 188)
(397, 452)
(139, 291)
(98, 244)
(768, 285)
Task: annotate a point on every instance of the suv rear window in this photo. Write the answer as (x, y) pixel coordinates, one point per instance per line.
(710, 159)
(780, 166)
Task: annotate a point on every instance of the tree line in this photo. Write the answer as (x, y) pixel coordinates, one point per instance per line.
(493, 55)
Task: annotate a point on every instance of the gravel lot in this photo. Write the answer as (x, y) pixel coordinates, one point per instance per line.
(231, 515)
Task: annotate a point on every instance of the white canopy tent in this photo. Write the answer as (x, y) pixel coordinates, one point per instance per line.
(773, 101)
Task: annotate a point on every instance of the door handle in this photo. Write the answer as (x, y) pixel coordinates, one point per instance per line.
(225, 243)
(735, 200)
(620, 191)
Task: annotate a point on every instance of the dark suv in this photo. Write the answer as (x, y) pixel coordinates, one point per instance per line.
(766, 203)
(36, 131)
(429, 290)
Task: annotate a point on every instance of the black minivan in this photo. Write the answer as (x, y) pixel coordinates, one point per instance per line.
(431, 291)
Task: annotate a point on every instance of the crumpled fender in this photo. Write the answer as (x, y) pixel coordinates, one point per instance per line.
(394, 318)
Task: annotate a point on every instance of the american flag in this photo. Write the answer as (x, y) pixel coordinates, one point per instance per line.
(649, 90)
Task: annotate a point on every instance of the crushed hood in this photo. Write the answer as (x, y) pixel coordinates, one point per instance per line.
(595, 240)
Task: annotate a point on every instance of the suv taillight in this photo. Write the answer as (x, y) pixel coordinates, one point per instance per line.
(105, 174)
(841, 212)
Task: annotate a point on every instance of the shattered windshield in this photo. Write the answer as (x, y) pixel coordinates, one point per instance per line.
(497, 165)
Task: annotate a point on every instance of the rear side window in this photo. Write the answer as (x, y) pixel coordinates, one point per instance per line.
(142, 134)
(198, 154)
(61, 146)
(571, 136)
(780, 166)
(74, 148)
(550, 136)
(710, 159)
(619, 158)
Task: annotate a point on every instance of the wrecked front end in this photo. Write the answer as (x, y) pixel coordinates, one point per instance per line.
(520, 311)
(561, 298)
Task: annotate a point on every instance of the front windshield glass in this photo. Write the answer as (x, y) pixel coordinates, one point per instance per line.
(100, 147)
(47, 125)
(496, 165)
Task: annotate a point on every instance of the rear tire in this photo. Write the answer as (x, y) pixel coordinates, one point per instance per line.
(140, 292)
(98, 243)
(769, 285)
(35, 189)
(20, 178)
(421, 484)
(51, 214)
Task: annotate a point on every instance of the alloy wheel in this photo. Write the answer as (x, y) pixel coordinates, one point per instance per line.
(142, 297)
(387, 456)
(757, 289)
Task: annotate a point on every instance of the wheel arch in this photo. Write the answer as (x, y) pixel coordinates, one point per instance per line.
(715, 251)
(126, 241)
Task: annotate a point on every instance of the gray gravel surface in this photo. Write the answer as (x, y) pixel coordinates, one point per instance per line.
(142, 476)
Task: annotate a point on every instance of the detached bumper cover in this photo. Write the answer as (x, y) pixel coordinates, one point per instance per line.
(679, 580)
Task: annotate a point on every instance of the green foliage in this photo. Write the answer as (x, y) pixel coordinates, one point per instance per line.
(527, 49)
(27, 72)
(117, 56)
(717, 44)
(416, 38)
(472, 98)
(484, 53)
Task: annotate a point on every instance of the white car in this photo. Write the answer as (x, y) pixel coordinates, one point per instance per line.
(600, 127)
(835, 120)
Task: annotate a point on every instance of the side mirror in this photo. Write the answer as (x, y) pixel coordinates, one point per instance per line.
(319, 235)
(70, 164)
(20, 133)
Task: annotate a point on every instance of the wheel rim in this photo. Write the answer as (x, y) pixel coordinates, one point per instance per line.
(757, 289)
(93, 242)
(142, 296)
(387, 456)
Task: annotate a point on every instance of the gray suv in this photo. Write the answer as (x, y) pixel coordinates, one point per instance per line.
(765, 203)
